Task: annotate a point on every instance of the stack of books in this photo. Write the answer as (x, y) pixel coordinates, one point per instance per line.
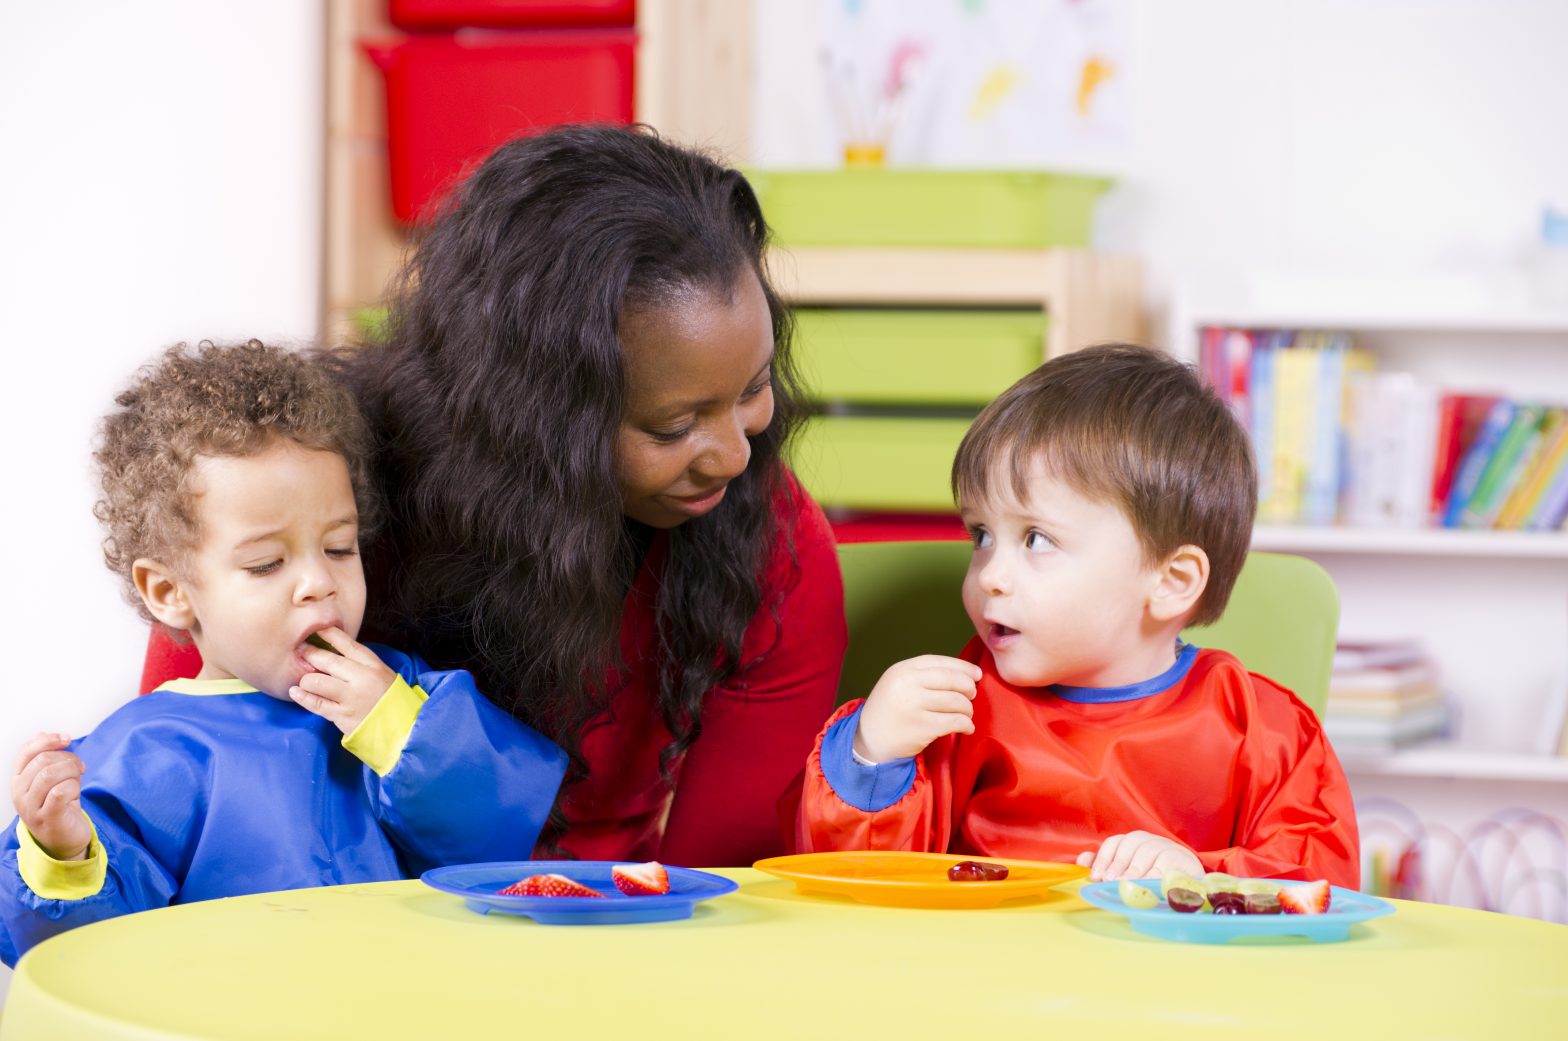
(1339, 442)
(1383, 696)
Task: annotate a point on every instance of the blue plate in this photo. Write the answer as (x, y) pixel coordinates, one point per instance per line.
(1346, 907)
(478, 885)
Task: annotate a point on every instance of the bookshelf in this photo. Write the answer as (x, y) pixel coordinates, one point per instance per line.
(1491, 606)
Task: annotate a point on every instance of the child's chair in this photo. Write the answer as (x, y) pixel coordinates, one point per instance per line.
(902, 599)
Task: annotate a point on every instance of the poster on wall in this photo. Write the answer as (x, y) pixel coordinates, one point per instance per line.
(942, 83)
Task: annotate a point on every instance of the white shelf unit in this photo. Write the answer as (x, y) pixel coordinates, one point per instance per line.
(1492, 607)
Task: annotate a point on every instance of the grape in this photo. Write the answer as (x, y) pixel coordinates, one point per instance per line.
(1185, 901)
(1136, 896)
(976, 871)
(1228, 903)
(1219, 882)
(1262, 903)
(1175, 878)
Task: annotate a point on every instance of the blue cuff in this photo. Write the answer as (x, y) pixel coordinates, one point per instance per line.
(866, 788)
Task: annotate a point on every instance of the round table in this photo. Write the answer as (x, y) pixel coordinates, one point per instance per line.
(399, 960)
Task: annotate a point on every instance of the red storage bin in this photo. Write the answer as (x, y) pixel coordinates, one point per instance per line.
(452, 98)
(453, 14)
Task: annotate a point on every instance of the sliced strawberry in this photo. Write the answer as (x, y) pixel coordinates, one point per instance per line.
(1310, 898)
(648, 879)
(549, 885)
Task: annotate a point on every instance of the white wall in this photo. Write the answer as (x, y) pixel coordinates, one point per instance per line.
(159, 180)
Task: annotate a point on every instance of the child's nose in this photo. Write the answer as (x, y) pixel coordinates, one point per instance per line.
(315, 582)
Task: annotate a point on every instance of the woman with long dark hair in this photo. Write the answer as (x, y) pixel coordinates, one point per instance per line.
(582, 404)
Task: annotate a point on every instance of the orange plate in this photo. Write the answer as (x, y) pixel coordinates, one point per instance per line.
(916, 879)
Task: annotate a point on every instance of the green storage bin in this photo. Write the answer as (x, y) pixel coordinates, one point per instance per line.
(915, 207)
(876, 357)
(884, 463)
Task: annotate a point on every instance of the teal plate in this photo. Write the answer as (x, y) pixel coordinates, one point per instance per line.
(1346, 907)
(479, 885)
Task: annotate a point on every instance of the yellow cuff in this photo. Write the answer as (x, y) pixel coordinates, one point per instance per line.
(60, 879)
(379, 739)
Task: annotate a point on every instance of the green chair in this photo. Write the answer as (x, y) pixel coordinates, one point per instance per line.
(902, 599)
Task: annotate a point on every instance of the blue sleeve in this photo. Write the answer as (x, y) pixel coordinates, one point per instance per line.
(135, 881)
(472, 783)
(866, 788)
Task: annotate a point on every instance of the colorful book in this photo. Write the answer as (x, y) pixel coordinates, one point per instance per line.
(1498, 419)
(1264, 348)
(1537, 472)
(1459, 417)
(1354, 655)
(1553, 508)
(1237, 349)
(1502, 469)
(1328, 475)
(1295, 414)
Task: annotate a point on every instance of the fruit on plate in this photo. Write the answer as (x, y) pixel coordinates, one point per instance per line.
(976, 871)
(1185, 901)
(549, 885)
(1227, 902)
(1135, 896)
(1306, 898)
(1219, 882)
(649, 879)
(1178, 879)
(1261, 903)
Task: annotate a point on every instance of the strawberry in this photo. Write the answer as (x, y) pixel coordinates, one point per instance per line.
(1311, 898)
(648, 879)
(549, 885)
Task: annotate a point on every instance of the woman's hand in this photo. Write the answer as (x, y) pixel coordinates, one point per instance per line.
(1138, 854)
(346, 685)
(47, 790)
(914, 703)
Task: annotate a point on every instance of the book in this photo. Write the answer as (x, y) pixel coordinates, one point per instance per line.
(1371, 708)
(1552, 510)
(1377, 654)
(1498, 419)
(1264, 348)
(1237, 351)
(1459, 418)
(1390, 684)
(1328, 471)
(1371, 732)
(1502, 468)
(1295, 413)
(1536, 471)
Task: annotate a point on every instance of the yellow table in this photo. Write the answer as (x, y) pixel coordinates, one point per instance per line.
(399, 960)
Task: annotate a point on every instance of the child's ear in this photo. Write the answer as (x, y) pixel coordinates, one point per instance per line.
(163, 594)
(1182, 579)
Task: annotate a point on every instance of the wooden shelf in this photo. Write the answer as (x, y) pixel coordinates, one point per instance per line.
(1547, 545)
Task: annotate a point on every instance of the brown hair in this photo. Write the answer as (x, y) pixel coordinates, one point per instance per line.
(1134, 427)
(213, 400)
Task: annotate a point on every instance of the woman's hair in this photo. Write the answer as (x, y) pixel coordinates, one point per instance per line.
(213, 400)
(497, 398)
(1136, 428)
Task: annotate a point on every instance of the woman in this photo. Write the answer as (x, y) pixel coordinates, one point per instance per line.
(582, 405)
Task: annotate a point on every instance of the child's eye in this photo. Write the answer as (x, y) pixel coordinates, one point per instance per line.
(343, 554)
(265, 569)
(1038, 542)
(980, 537)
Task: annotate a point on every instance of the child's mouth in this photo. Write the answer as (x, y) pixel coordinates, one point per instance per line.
(1001, 633)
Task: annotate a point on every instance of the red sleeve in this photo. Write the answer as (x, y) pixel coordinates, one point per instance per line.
(758, 727)
(920, 821)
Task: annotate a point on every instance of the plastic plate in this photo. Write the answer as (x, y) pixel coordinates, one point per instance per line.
(916, 879)
(478, 885)
(1346, 907)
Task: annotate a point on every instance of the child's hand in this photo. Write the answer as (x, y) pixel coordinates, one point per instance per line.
(345, 686)
(1139, 854)
(914, 703)
(47, 791)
